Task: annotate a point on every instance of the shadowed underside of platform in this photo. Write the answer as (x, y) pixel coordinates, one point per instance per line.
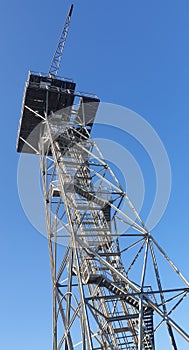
(44, 95)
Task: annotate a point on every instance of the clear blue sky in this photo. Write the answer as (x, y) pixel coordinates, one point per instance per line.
(132, 53)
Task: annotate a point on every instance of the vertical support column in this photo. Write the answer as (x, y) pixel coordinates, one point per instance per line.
(140, 337)
(54, 318)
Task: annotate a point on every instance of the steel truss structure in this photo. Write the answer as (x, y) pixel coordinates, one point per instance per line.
(113, 286)
(92, 287)
(108, 291)
(56, 61)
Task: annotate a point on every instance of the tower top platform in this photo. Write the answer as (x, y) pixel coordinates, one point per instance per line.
(44, 95)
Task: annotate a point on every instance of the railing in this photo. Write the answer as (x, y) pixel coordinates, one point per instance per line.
(77, 93)
(85, 94)
(41, 74)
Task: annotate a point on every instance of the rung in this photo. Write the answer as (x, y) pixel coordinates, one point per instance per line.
(97, 229)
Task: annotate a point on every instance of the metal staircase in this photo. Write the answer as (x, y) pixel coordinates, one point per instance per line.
(114, 309)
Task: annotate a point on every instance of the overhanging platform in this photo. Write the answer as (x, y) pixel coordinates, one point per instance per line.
(44, 95)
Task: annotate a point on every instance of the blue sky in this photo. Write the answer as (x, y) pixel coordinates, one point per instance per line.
(134, 54)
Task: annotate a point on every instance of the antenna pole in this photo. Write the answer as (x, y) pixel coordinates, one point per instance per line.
(55, 64)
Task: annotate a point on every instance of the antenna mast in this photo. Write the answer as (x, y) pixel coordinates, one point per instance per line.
(55, 64)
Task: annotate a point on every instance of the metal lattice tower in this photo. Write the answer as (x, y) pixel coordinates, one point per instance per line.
(109, 284)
